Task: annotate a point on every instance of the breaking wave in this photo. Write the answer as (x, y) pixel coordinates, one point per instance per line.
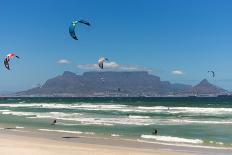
(172, 139)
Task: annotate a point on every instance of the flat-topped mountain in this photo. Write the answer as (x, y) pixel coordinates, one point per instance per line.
(139, 83)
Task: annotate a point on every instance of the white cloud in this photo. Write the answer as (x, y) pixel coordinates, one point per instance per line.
(113, 66)
(177, 72)
(63, 61)
(88, 66)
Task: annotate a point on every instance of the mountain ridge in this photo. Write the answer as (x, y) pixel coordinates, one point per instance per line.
(121, 84)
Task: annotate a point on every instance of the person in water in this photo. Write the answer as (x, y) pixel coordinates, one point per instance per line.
(155, 132)
(54, 122)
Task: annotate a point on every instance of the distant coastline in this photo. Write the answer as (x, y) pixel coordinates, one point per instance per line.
(113, 97)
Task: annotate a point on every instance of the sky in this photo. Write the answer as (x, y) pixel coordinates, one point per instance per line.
(177, 40)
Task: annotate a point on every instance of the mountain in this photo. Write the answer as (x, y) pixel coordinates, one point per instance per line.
(132, 84)
(204, 87)
(5, 93)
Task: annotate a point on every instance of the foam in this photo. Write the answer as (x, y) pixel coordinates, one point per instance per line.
(185, 145)
(138, 117)
(218, 143)
(153, 108)
(63, 131)
(126, 108)
(115, 135)
(89, 133)
(16, 113)
(19, 127)
(112, 121)
(4, 110)
(205, 122)
(66, 124)
(173, 139)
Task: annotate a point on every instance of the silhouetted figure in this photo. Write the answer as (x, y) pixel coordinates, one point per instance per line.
(155, 132)
(54, 122)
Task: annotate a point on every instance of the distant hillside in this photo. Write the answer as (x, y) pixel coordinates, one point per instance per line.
(204, 87)
(131, 84)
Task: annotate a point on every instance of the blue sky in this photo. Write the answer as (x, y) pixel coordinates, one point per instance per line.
(191, 36)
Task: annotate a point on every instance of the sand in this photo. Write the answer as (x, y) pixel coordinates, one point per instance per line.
(11, 144)
(43, 143)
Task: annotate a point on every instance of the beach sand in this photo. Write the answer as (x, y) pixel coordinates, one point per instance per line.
(43, 143)
(11, 144)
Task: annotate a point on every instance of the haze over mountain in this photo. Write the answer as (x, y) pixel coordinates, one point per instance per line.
(132, 84)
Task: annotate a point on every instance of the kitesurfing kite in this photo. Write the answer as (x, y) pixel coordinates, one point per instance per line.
(74, 25)
(8, 58)
(101, 62)
(212, 73)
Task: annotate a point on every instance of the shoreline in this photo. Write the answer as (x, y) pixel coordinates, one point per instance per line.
(34, 140)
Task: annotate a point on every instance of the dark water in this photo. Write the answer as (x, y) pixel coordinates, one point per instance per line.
(191, 121)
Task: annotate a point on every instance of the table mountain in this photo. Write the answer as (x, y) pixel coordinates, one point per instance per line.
(133, 84)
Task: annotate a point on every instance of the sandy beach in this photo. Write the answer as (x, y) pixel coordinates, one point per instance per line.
(15, 144)
(42, 143)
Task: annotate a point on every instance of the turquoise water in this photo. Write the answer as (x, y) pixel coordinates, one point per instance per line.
(190, 121)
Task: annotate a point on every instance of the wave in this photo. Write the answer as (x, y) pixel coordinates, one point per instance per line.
(4, 110)
(172, 139)
(87, 120)
(153, 108)
(67, 106)
(115, 135)
(140, 121)
(183, 121)
(67, 131)
(109, 121)
(112, 121)
(16, 113)
(89, 133)
(40, 115)
(139, 117)
(63, 131)
(185, 145)
(19, 127)
(197, 110)
(218, 143)
(126, 108)
(58, 115)
(66, 124)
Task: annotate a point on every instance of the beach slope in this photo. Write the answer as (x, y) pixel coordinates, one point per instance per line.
(11, 144)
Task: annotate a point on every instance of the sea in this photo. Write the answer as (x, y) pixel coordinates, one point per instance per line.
(188, 121)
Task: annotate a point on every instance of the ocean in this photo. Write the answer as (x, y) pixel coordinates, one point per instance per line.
(196, 122)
